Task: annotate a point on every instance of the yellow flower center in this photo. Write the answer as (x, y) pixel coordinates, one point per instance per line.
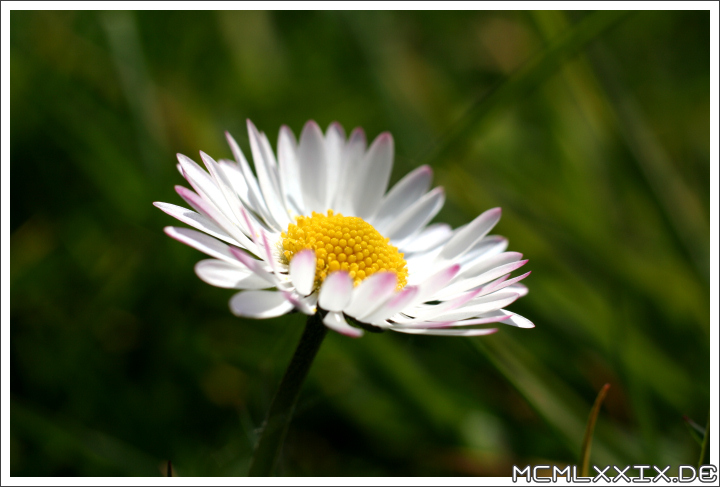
(343, 243)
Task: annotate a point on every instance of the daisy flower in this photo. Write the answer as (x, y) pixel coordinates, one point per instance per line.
(314, 230)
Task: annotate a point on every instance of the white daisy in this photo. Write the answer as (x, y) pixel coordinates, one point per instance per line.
(314, 230)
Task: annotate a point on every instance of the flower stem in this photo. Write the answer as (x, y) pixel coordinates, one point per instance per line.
(276, 424)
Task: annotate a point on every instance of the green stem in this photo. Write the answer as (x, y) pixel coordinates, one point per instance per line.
(281, 410)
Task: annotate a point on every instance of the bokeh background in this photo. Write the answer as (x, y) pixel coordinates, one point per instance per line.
(589, 129)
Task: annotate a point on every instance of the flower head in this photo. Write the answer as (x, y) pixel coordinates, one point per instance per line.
(314, 230)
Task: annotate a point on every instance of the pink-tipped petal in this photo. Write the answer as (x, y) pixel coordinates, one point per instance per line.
(301, 304)
(517, 320)
(429, 287)
(336, 321)
(302, 271)
(481, 266)
(465, 238)
(336, 291)
(257, 266)
(203, 183)
(493, 317)
(461, 285)
(454, 333)
(230, 276)
(499, 284)
(195, 220)
(223, 184)
(269, 257)
(480, 306)
(372, 293)
(215, 215)
(428, 312)
(393, 306)
(520, 289)
(201, 242)
(259, 304)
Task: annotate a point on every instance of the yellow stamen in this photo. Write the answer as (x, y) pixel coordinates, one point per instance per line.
(343, 243)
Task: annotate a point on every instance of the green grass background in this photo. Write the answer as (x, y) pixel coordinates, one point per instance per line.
(589, 129)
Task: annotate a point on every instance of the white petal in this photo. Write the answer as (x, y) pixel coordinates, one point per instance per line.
(454, 333)
(266, 170)
(221, 182)
(428, 288)
(306, 305)
(196, 220)
(215, 216)
(474, 282)
(468, 236)
(256, 201)
(203, 183)
(334, 146)
(429, 238)
(336, 291)
(486, 304)
(259, 304)
(269, 157)
(371, 293)
(394, 305)
(422, 265)
(406, 192)
(313, 164)
(269, 257)
(377, 165)
(234, 175)
(201, 242)
(350, 172)
(416, 216)
(259, 267)
(497, 285)
(520, 289)
(517, 320)
(485, 247)
(232, 276)
(481, 266)
(428, 312)
(302, 271)
(260, 238)
(336, 321)
(289, 170)
(492, 317)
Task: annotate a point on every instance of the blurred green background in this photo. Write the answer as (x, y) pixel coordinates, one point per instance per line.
(589, 129)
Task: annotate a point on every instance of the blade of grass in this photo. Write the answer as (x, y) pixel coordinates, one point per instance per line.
(558, 405)
(696, 431)
(587, 440)
(704, 447)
